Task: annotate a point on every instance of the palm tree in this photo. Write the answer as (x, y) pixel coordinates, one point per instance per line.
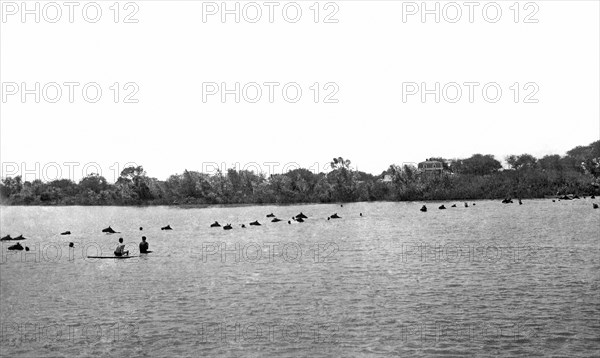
(339, 163)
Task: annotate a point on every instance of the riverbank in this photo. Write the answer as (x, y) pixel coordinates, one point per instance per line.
(236, 205)
(480, 177)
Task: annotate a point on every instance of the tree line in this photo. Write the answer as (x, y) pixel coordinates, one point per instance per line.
(477, 177)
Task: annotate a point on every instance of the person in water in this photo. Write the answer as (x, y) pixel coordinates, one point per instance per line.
(143, 246)
(120, 250)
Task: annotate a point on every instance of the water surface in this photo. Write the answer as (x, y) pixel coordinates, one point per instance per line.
(487, 280)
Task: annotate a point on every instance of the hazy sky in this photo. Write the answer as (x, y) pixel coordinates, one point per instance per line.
(371, 58)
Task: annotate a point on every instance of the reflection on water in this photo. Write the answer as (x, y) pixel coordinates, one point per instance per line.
(491, 279)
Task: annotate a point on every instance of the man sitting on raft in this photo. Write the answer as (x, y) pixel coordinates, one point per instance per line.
(120, 250)
(143, 246)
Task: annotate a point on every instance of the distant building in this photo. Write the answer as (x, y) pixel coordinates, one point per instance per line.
(387, 178)
(431, 167)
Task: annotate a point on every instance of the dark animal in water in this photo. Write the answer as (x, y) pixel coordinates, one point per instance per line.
(595, 206)
(276, 220)
(66, 233)
(453, 206)
(271, 215)
(466, 205)
(442, 207)
(255, 223)
(168, 227)
(423, 208)
(16, 246)
(227, 227)
(593, 197)
(71, 244)
(520, 202)
(109, 230)
(215, 224)
(507, 201)
(243, 226)
(335, 216)
(301, 216)
(300, 220)
(8, 238)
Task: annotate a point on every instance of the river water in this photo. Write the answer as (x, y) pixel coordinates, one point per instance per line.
(488, 280)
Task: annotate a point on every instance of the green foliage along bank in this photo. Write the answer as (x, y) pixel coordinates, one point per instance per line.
(477, 177)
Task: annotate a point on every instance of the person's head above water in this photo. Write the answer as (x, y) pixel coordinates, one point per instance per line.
(143, 238)
(121, 240)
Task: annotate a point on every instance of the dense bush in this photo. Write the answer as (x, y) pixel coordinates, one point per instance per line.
(477, 177)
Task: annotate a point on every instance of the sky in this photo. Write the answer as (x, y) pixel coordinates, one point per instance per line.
(362, 68)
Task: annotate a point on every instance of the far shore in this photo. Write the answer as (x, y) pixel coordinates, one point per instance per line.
(480, 177)
(236, 205)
